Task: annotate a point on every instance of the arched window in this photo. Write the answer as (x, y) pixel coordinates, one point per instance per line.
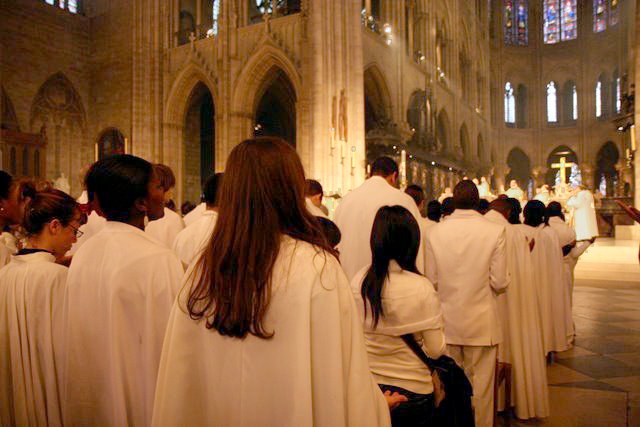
(464, 64)
(560, 20)
(599, 15)
(599, 112)
(509, 105)
(516, 27)
(552, 102)
(521, 106)
(569, 103)
(617, 92)
(441, 49)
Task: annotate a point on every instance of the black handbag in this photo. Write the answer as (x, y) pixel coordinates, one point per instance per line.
(452, 389)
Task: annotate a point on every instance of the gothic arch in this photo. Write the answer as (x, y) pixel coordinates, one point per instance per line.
(443, 130)
(58, 106)
(9, 119)
(256, 70)
(520, 167)
(377, 97)
(57, 100)
(186, 80)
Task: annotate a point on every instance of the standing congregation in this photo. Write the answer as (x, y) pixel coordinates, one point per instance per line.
(259, 307)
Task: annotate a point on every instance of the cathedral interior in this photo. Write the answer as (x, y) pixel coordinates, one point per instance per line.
(495, 88)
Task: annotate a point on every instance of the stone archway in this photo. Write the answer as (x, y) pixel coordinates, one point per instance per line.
(381, 134)
(606, 178)
(186, 94)
(198, 141)
(268, 64)
(275, 111)
(58, 108)
(520, 167)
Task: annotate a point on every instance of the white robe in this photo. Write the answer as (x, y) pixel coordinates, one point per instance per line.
(541, 281)
(584, 216)
(192, 240)
(5, 254)
(543, 197)
(560, 301)
(516, 193)
(355, 215)
(444, 196)
(566, 236)
(193, 216)
(483, 190)
(522, 344)
(32, 291)
(120, 289)
(166, 228)
(94, 224)
(313, 372)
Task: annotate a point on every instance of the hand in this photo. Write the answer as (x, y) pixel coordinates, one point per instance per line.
(395, 399)
(630, 210)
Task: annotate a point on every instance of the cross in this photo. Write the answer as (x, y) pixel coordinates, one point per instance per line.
(563, 165)
(192, 39)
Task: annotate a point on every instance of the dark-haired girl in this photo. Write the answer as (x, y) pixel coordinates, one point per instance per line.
(14, 195)
(395, 299)
(32, 288)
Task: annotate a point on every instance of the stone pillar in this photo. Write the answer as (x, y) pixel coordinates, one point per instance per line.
(586, 169)
(538, 173)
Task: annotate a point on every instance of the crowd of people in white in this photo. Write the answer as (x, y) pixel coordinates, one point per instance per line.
(256, 309)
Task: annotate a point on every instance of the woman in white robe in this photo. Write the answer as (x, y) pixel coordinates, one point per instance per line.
(557, 327)
(165, 229)
(522, 344)
(287, 347)
(32, 291)
(120, 288)
(14, 195)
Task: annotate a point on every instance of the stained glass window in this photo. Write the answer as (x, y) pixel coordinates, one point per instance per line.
(560, 20)
(599, 99)
(599, 15)
(569, 22)
(552, 103)
(509, 104)
(515, 22)
(70, 5)
(613, 12)
(551, 21)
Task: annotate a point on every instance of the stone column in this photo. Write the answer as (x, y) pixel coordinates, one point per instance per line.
(586, 169)
(538, 173)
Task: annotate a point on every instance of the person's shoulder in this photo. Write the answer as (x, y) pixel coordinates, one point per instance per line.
(407, 283)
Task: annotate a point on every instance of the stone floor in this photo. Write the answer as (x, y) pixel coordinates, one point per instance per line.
(597, 383)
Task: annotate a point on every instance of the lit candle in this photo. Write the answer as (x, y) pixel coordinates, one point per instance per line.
(126, 146)
(633, 137)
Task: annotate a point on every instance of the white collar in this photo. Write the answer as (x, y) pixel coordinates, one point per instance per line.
(34, 257)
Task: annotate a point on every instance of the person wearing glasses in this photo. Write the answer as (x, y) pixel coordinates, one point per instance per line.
(32, 288)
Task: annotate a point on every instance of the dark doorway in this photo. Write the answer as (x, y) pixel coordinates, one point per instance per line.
(276, 109)
(606, 174)
(520, 168)
(199, 140)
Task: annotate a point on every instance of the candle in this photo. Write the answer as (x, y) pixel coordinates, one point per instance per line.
(126, 146)
(95, 152)
(633, 137)
(628, 154)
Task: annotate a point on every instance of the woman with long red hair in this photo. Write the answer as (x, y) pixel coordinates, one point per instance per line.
(265, 330)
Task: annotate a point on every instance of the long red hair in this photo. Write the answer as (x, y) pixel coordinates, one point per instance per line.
(261, 199)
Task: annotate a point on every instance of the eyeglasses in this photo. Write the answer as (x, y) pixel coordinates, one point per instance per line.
(76, 232)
